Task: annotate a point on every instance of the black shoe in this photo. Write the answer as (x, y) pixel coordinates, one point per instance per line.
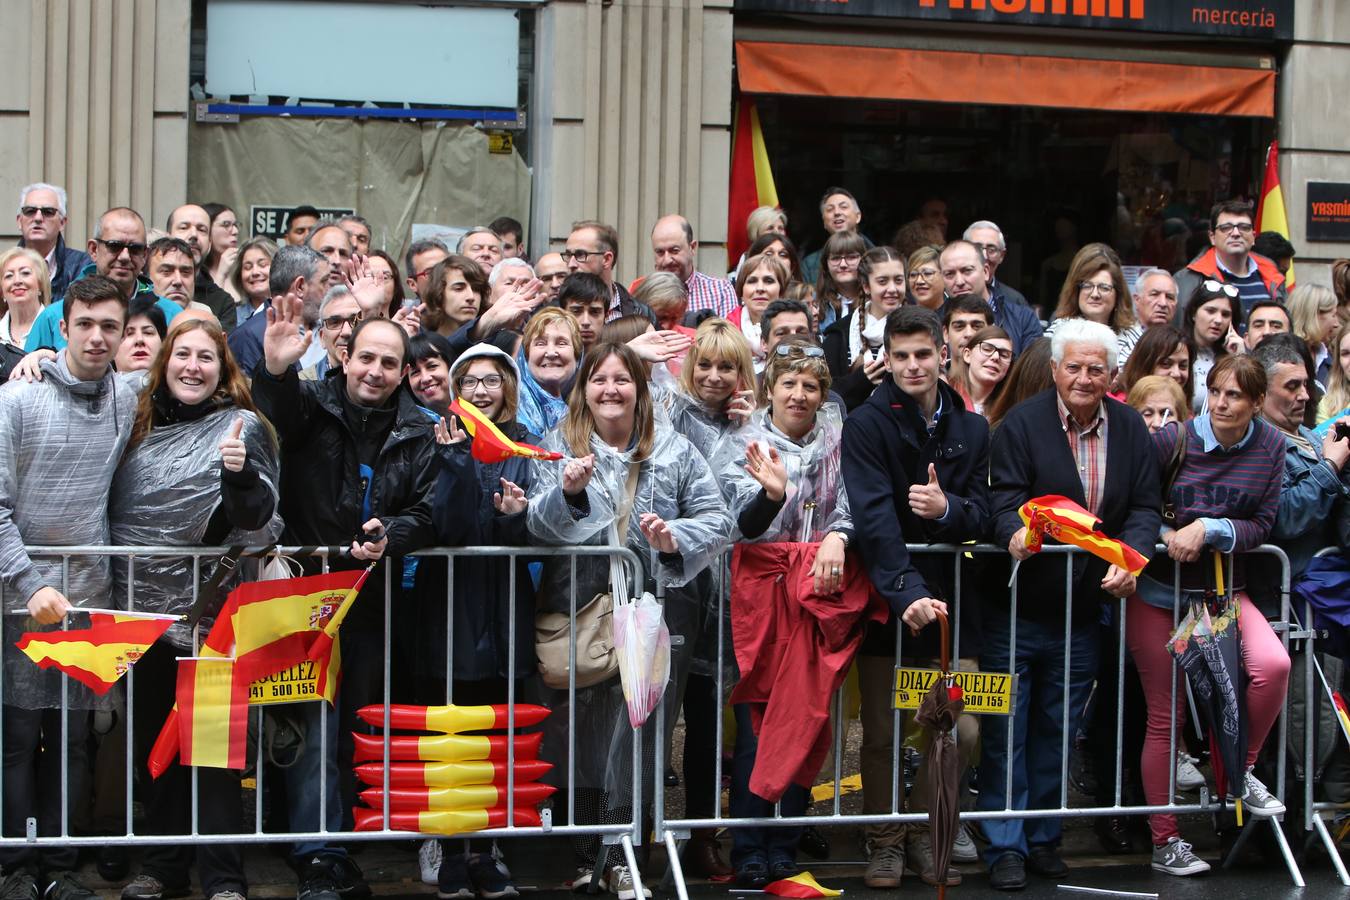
(1114, 834)
(348, 878)
(19, 886)
(1045, 862)
(113, 863)
(781, 867)
(813, 843)
(753, 872)
(316, 881)
(65, 886)
(1008, 873)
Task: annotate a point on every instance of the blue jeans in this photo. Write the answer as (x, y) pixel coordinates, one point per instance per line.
(302, 783)
(1038, 726)
(770, 844)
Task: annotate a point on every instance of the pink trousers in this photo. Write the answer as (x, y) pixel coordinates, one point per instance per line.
(1147, 629)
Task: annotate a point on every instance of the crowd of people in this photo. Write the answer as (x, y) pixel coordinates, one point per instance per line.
(817, 417)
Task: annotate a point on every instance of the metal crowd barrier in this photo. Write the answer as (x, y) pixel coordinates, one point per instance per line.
(626, 834)
(1313, 808)
(673, 830)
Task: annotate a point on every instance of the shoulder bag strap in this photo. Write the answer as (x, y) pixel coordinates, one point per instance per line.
(618, 537)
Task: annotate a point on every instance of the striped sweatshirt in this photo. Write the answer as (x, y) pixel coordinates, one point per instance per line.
(1241, 485)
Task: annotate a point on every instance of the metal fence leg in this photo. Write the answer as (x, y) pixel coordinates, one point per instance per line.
(1289, 863)
(1320, 826)
(675, 871)
(631, 859)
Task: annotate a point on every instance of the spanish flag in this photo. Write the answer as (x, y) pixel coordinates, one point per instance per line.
(99, 655)
(489, 444)
(1067, 522)
(212, 713)
(445, 821)
(1270, 211)
(801, 886)
(265, 627)
(751, 178)
(450, 774)
(445, 747)
(452, 719)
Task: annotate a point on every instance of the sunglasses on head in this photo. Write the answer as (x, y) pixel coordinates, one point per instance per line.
(1218, 287)
(798, 350)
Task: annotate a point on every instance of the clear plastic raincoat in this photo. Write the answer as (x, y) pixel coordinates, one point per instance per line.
(165, 493)
(60, 442)
(676, 484)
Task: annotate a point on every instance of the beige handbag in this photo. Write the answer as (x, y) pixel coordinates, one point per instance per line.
(597, 660)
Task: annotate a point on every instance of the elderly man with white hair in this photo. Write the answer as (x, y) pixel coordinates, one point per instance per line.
(506, 275)
(42, 222)
(1155, 303)
(1104, 462)
(989, 237)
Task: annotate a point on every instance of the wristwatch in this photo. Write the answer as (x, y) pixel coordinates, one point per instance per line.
(843, 536)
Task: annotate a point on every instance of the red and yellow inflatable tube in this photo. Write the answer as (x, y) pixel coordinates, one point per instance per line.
(474, 796)
(456, 821)
(445, 747)
(452, 719)
(450, 774)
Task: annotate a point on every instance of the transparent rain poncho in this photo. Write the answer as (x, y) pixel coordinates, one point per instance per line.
(164, 494)
(60, 442)
(676, 484)
(816, 503)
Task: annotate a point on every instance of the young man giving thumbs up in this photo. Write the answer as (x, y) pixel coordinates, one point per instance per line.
(916, 466)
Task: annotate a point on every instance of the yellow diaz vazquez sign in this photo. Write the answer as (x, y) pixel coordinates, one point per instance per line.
(988, 693)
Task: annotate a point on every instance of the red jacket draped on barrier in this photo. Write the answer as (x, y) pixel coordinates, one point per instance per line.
(793, 647)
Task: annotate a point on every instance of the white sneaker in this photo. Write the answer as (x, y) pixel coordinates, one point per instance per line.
(1189, 778)
(1258, 800)
(429, 861)
(621, 883)
(1176, 858)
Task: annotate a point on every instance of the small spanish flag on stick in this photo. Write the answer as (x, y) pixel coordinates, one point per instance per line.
(212, 713)
(99, 655)
(489, 444)
(1067, 522)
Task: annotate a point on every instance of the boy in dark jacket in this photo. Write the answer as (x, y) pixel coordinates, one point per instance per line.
(915, 463)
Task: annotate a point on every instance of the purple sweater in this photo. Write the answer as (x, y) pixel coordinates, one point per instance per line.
(1241, 485)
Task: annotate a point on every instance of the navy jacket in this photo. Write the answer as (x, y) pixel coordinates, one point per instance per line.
(1030, 458)
(885, 449)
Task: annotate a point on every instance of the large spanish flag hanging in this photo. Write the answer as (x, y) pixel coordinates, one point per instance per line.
(213, 713)
(99, 655)
(266, 626)
(1270, 211)
(1067, 522)
(751, 178)
(489, 444)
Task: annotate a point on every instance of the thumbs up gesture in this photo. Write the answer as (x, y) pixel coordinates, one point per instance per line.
(232, 449)
(927, 500)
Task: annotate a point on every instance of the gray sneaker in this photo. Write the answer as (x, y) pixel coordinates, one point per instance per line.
(228, 895)
(919, 858)
(1258, 800)
(963, 848)
(1189, 778)
(148, 887)
(1176, 858)
(624, 887)
(885, 867)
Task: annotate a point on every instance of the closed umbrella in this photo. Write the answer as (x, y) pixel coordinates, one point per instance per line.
(938, 712)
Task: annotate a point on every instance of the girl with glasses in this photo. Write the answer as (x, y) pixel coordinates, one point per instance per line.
(987, 357)
(223, 243)
(837, 286)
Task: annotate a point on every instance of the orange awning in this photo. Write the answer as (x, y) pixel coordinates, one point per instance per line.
(1002, 79)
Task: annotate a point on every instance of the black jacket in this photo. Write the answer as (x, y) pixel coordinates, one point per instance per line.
(886, 448)
(482, 587)
(851, 384)
(1031, 458)
(204, 290)
(630, 307)
(323, 492)
(70, 262)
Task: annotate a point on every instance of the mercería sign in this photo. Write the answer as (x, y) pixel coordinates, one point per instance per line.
(1249, 19)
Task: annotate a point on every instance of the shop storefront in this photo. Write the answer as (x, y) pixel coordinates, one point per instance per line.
(1066, 121)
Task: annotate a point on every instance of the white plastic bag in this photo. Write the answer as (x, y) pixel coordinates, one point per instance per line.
(643, 644)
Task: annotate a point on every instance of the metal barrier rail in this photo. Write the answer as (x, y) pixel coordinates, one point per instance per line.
(672, 830)
(624, 833)
(1313, 808)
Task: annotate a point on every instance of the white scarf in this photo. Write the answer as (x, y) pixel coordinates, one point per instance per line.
(871, 333)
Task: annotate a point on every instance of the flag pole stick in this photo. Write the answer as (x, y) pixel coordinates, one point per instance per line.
(162, 617)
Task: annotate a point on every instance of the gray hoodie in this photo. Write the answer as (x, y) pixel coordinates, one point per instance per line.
(60, 442)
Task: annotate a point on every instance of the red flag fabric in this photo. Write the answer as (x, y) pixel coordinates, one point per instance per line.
(99, 655)
(213, 714)
(751, 178)
(1067, 522)
(1270, 213)
(489, 444)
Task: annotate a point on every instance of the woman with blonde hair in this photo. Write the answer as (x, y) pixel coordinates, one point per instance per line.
(926, 286)
(762, 221)
(623, 469)
(1312, 316)
(1159, 400)
(247, 279)
(25, 290)
(1337, 398)
(546, 361)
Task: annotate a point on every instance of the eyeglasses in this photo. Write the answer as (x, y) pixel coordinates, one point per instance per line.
(989, 349)
(846, 258)
(1218, 287)
(116, 247)
(1227, 227)
(798, 350)
(228, 225)
(990, 249)
(467, 383)
(924, 275)
(335, 323)
(580, 255)
(1093, 288)
(29, 212)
